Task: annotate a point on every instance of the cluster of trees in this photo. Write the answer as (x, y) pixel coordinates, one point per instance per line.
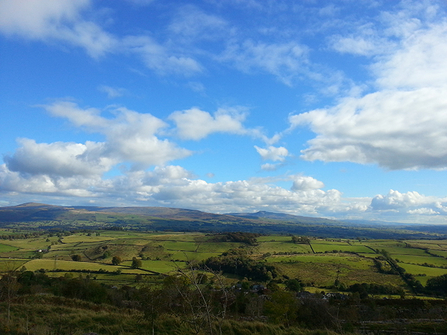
(116, 260)
(247, 238)
(18, 236)
(365, 289)
(236, 261)
(437, 285)
(300, 239)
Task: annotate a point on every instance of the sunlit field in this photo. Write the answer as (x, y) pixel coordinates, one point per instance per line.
(318, 263)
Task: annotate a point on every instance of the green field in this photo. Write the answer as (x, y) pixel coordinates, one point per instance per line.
(7, 248)
(319, 263)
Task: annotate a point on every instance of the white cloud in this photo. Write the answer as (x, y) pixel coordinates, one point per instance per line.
(59, 20)
(282, 60)
(131, 136)
(270, 167)
(245, 196)
(403, 124)
(273, 153)
(303, 183)
(395, 129)
(38, 18)
(112, 92)
(359, 45)
(160, 58)
(173, 186)
(62, 21)
(191, 22)
(396, 200)
(59, 159)
(423, 211)
(196, 124)
(409, 207)
(364, 40)
(20, 185)
(419, 61)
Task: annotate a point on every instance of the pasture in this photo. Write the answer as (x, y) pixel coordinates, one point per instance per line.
(319, 263)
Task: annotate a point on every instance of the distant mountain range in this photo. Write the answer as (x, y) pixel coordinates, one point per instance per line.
(36, 212)
(43, 216)
(263, 215)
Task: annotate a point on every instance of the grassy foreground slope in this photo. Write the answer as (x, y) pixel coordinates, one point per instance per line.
(72, 316)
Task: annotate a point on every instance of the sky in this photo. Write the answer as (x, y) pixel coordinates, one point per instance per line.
(333, 109)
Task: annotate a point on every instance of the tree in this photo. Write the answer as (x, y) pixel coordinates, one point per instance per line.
(437, 285)
(300, 239)
(136, 263)
(282, 307)
(116, 260)
(293, 285)
(76, 257)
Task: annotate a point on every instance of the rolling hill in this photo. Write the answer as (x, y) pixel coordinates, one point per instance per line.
(43, 216)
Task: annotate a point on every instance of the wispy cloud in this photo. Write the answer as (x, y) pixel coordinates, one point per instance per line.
(191, 24)
(282, 60)
(49, 20)
(112, 92)
(63, 21)
(159, 58)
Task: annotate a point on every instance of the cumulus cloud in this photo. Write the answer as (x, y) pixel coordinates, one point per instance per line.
(195, 124)
(173, 186)
(395, 129)
(59, 158)
(402, 125)
(273, 153)
(130, 137)
(237, 196)
(411, 203)
(303, 183)
(410, 206)
(19, 184)
(396, 200)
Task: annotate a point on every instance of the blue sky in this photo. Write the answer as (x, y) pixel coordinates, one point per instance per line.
(318, 108)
